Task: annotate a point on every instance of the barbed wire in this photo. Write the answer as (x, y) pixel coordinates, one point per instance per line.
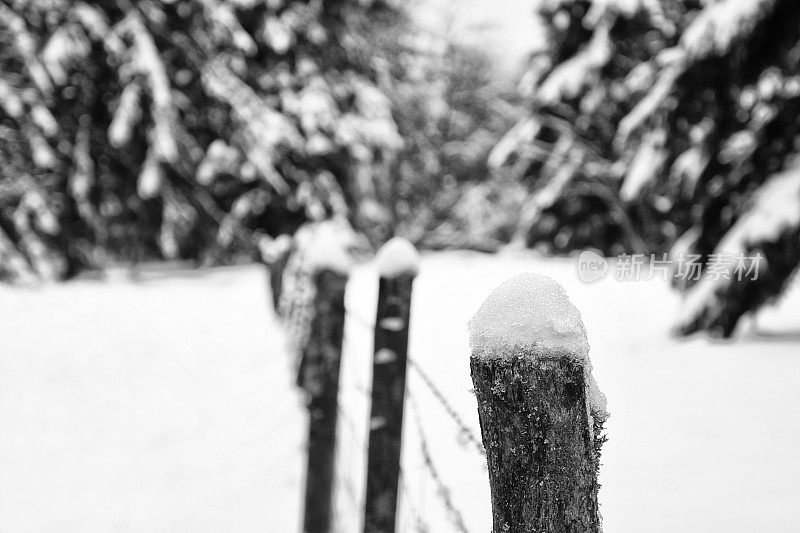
(453, 513)
(463, 428)
(444, 492)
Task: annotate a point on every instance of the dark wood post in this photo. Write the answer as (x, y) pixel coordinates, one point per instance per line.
(540, 411)
(319, 377)
(397, 266)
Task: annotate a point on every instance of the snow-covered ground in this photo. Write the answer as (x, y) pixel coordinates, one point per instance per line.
(160, 406)
(167, 405)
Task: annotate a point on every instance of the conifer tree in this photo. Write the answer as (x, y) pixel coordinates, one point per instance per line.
(667, 124)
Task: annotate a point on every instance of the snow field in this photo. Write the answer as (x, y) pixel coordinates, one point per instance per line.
(161, 406)
(702, 435)
(168, 405)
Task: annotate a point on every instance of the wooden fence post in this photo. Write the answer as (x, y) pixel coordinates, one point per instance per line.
(397, 263)
(541, 413)
(319, 377)
(275, 253)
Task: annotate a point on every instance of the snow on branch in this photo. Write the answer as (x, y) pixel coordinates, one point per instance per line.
(95, 23)
(13, 102)
(147, 61)
(126, 116)
(563, 165)
(14, 265)
(629, 8)
(226, 25)
(151, 176)
(65, 45)
(647, 106)
(220, 158)
(645, 166)
(263, 131)
(82, 177)
(10, 99)
(689, 165)
(567, 80)
(26, 46)
(774, 213)
(42, 153)
(518, 138)
(712, 32)
(719, 24)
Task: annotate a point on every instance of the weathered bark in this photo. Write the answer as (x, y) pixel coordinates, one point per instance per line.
(388, 394)
(320, 379)
(541, 443)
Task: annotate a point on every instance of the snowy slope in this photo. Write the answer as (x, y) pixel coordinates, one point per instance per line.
(167, 405)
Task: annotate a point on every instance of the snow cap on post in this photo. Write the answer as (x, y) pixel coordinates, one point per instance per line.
(528, 315)
(396, 258)
(273, 249)
(327, 248)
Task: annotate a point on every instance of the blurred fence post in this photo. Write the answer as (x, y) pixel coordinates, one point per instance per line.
(397, 266)
(275, 253)
(540, 411)
(319, 377)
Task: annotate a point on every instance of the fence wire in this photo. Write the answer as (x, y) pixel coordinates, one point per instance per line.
(351, 444)
(451, 510)
(360, 319)
(442, 490)
(463, 428)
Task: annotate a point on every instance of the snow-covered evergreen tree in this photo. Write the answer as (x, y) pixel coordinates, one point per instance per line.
(661, 122)
(184, 128)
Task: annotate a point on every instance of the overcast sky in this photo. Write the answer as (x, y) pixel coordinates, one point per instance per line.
(506, 26)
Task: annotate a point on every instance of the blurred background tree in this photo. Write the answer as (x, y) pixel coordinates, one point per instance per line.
(199, 129)
(452, 105)
(659, 124)
(205, 129)
(184, 129)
